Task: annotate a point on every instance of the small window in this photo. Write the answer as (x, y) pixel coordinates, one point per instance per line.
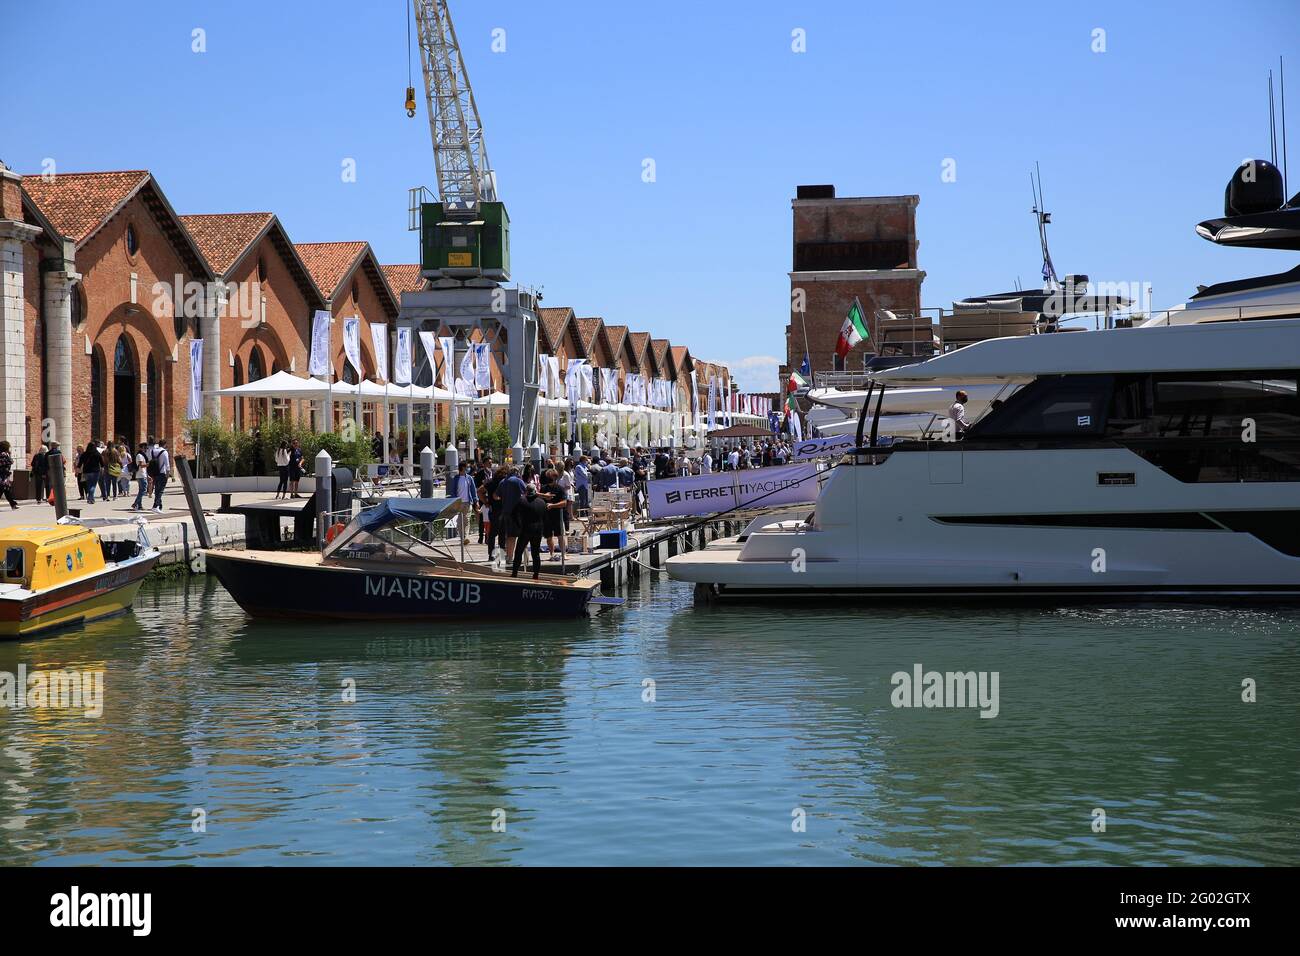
(356, 293)
(261, 269)
(13, 566)
(132, 242)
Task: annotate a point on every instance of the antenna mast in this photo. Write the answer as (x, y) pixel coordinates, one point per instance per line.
(1050, 281)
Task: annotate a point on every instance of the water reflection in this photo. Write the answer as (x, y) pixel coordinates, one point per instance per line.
(757, 714)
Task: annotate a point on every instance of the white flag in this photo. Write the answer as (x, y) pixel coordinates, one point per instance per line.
(352, 344)
(448, 344)
(320, 344)
(430, 344)
(483, 362)
(543, 375)
(379, 339)
(196, 379)
(467, 368)
(402, 358)
(557, 389)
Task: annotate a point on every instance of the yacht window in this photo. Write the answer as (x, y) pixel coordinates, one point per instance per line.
(1220, 407)
(1060, 406)
(13, 567)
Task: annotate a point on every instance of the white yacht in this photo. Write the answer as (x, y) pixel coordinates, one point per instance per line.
(1151, 463)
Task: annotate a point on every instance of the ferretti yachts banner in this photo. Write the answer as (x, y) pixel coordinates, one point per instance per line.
(320, 344)
(352, 344)
(196, 379)
(448, 345)
(379, 339)
(816, 447)
(402, 358)
(707, 494)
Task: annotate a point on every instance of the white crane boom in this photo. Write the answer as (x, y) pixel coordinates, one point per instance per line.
(465, 176)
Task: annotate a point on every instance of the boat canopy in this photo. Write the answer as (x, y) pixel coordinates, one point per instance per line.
(390, 510)
(1219, 346)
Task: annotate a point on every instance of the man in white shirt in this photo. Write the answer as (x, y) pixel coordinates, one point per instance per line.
(706, 463)
(733, 460)
(957, 412)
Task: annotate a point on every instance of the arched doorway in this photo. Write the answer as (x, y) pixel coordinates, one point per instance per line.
(153, 398)
(126, 386)
(97, 396)
(255, 372)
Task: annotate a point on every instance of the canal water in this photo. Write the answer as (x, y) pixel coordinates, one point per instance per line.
(661, 734)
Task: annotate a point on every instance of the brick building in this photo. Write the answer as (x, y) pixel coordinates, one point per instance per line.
(103, 287)
(862, 246)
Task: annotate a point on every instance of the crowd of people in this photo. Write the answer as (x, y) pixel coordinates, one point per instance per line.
(103, 469)
(519, 507)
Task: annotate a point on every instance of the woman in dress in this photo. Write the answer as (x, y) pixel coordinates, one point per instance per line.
(282, 465)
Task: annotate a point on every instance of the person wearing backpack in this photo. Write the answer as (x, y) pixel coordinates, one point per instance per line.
(160, 469)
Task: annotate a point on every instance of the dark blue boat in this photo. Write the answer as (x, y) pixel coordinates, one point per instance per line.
(385, 565)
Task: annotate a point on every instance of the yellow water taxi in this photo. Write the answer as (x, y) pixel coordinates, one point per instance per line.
(64, 575)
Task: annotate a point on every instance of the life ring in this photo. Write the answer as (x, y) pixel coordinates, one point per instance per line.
(332, 531)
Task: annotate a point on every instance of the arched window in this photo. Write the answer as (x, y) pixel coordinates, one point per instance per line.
(76, 306)
(132, 240)
(153, 400)
(349, 373)
(261, 269)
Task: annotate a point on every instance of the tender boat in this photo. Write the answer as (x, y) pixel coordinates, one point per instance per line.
(64, 575)
(385, 564)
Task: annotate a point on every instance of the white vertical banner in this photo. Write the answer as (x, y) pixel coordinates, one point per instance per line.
(467, 376)
(379, 339)
(319, 363)
(402, 358)
(557, 389)
(429, 342)
(544, 375)
(713, 403)
(448, 345)
(352, 344)
(483, 366)
(196, 379)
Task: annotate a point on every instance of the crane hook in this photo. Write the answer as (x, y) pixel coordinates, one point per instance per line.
(410, 101)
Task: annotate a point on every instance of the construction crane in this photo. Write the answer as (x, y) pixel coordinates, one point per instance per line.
(465, 234)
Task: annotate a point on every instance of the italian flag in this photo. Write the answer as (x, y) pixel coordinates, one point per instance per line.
(853, 331)
(796, 382)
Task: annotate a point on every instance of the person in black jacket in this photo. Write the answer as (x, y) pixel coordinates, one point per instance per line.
(41, 474)
(92, 463)
(7, 475)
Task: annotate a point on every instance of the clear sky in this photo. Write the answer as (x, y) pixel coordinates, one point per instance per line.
(1136, 143)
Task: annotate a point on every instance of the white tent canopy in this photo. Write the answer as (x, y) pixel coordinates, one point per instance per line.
(279, 385)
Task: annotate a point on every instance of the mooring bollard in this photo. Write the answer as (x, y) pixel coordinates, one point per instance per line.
(54, 459)
(324, 476)
(427, 459)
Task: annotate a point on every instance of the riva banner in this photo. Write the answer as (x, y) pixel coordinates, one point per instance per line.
(817, 447)
(707, 494)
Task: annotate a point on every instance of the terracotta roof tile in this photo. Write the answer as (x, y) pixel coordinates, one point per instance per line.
(224, 237)
(77, 204)
(553, 321)
(329, 262)
(404, 278)
(588, 330)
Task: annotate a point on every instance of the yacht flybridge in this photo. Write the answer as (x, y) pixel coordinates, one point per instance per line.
(1151, 463)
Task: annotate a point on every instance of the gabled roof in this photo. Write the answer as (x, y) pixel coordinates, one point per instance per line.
(663, 357)
(226, 239)
(589, 332)
(682, 360)
(552, 322)
(616, 335)
(79, 205)
(640, 345)
(223, 238)
(404, 278)
(332, 265)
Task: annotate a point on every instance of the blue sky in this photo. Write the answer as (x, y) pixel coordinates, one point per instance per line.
(1135, 143)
